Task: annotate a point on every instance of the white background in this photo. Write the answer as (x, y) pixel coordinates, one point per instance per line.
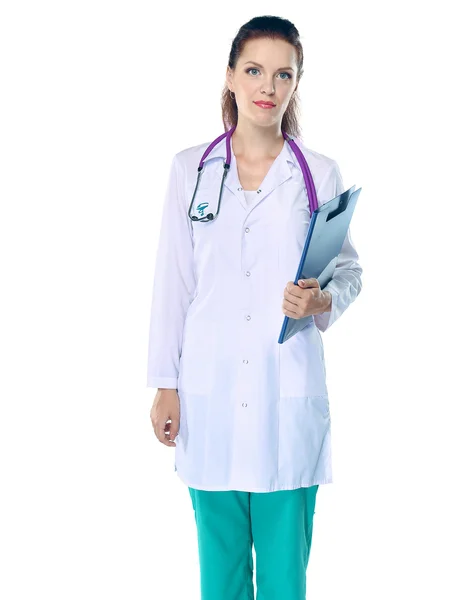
(96, 97)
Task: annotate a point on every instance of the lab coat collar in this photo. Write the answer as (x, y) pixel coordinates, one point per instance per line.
(279, 172)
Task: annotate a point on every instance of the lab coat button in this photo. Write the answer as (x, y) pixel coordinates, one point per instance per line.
(244, 404)
(247, 229)
(240, 189)
(248, 317)
(248, 273)
(245, 361)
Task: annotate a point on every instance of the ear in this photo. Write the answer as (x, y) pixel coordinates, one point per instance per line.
(229, 78)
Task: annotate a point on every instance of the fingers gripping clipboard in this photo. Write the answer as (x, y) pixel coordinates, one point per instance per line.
(325, 237)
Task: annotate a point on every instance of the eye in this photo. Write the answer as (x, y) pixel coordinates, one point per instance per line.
(283, 73)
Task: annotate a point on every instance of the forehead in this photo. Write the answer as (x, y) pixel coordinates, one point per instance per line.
(269, 52)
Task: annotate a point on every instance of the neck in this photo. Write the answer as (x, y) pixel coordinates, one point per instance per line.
(255, 142)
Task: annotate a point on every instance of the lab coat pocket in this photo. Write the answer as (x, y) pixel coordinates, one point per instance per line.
(304, 423)
(196, 364)
(207, 196)
(208, 235)
(302, 366)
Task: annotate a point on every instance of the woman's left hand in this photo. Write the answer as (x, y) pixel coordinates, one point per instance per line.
(305, 299)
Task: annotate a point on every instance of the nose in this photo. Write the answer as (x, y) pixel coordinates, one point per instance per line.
(268, 87)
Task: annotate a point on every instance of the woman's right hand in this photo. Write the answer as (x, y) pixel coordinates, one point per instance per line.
(164, 408)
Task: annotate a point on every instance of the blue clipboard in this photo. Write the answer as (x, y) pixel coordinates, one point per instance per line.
(325, 238)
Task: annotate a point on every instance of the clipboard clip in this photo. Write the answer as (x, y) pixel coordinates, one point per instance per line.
(342, 205)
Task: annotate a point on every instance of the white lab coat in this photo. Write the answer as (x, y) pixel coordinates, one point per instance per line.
(254, 414)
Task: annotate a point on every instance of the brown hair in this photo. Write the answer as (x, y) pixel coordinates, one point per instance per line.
(273, 28)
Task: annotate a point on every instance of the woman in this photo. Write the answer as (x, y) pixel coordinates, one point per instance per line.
(250, 416)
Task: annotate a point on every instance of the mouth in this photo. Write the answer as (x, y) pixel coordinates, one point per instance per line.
(265, 104)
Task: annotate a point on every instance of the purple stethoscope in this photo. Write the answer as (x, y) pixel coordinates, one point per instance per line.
(310, 187)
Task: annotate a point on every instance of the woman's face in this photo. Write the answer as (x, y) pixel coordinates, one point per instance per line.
(273, 78)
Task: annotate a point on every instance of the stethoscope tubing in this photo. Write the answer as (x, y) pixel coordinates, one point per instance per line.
(308, 180)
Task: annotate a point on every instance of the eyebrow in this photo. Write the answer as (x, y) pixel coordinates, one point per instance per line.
(258, 65)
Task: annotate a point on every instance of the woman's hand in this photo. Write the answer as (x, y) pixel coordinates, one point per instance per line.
(166, 406)
(305, 299)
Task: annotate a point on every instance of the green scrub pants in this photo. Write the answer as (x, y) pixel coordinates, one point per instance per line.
(279, 524)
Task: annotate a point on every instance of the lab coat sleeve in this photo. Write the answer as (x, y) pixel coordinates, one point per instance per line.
(346, 283)
(174, 285)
